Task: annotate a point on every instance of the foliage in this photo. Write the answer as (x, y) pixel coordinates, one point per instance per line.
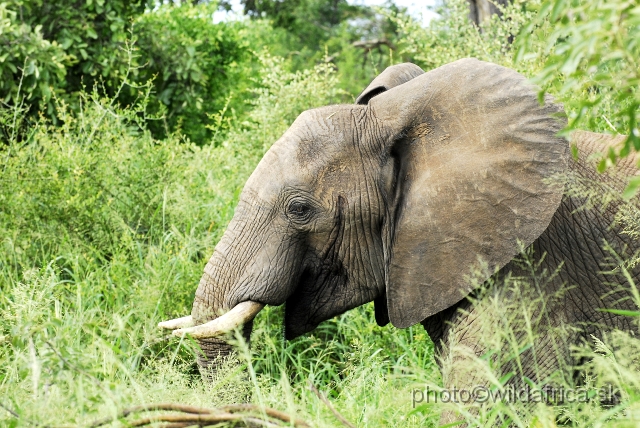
(318, 30)
(358, 65)
(28, 61)
(105, 227)
(194, 66)
(590, 56)
(65, 46)
(310, 20)
(455, 36)
(197, 68)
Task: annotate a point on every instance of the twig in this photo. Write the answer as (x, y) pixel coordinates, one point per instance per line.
(17, 415)
(201, 416)
(276, 414)
(338, 416)
(10, 410)
(151, 407)
(610, 125)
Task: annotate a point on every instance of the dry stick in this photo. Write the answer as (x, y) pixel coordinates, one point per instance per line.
(341, 418)
(151, 407)
(224, 415)
(276, 414)
(148, 421)
(193, 419)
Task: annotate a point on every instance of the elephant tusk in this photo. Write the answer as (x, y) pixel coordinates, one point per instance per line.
(177, 323)
(239, 315)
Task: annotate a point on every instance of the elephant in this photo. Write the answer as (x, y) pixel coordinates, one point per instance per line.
(397, 198)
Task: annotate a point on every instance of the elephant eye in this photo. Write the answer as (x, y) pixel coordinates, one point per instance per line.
(298, 210)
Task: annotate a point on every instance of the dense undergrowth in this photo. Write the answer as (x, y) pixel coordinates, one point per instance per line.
(104, 231)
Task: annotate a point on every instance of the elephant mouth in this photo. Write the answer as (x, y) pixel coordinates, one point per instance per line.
(318, 297)
(242, 313)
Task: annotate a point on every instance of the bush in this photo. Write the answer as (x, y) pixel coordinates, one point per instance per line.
(29, 64)
(105, 230)
(455, 36)
(63, 47)
(193, 64)
(589, 54)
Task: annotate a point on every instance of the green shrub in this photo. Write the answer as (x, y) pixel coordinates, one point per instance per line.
(32, 69)
(589, 54)
(455, 36)
(62, 47)
(105, 230)
(194, 66)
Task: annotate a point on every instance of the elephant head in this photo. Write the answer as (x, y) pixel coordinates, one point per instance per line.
(394, 199)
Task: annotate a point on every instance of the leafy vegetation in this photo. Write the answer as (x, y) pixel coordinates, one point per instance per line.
(62, 48)
(111, 200)
(194, 66)
(591, 49)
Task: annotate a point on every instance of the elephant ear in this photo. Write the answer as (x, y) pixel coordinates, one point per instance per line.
(391, 77)
(473, 150)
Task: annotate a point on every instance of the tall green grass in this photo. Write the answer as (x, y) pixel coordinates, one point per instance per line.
(104, 231)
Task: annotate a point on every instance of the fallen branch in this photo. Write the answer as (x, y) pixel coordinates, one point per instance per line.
(250, 414)
(200, 420)
(276, 414)
(149, 408)
(338, 416)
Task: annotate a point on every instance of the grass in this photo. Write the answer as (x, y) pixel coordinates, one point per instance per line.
(104, 231)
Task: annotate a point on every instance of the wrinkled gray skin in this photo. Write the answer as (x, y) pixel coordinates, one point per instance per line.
(397, 198)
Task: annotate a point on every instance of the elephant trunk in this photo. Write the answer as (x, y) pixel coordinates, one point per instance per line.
(214, 316)
(213, 336)
(210, 335)
(216, 351)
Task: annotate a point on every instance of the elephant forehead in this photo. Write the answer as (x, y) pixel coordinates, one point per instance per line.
(270, 175)
(280, 169)
(318, 154)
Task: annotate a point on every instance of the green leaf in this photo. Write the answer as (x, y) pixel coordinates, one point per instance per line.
(602, 165)
(91, 32)
(574, 152)
(623, 312)
(632, 188)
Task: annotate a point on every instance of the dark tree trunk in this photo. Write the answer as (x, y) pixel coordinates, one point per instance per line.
(481, 10)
